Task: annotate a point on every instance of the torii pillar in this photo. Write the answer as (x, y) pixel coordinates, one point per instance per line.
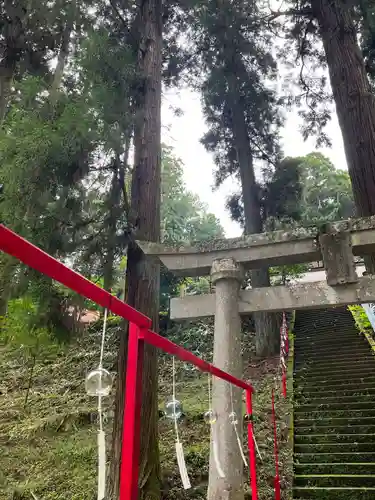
(227, 275)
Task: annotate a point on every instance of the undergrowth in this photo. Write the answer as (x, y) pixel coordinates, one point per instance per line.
(49, 446)
(361, 320)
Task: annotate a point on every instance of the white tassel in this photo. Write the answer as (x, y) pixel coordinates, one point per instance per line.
(101, 465)
(257, 448)
(240, 445)
(182, 466)
(215, 449)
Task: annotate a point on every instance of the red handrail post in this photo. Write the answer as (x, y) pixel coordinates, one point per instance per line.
(250, 437)
(277, 477)
(132, 416)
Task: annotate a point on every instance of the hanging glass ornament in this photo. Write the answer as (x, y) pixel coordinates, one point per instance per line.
(210, 416)
(173, 409)
(98, 382)
(233, 418)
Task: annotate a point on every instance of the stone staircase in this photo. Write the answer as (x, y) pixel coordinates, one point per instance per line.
(334, 408)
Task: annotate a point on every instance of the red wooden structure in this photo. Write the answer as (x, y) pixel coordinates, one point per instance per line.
(139, 333)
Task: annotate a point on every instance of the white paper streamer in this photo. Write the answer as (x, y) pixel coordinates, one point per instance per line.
(215, 445)
(179, 448)
(101, 465)
(182, 466)
(236, 430)
(240, 445)
(215, 449)
(256, 446)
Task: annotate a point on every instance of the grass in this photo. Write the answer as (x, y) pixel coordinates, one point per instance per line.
(48, 449)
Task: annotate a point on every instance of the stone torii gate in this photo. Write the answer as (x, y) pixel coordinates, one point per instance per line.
(226, 260)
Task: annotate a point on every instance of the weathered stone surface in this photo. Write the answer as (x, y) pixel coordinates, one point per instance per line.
(226, 269)
(227, 275)
(338, 257)
(259, 250)
(280, 298)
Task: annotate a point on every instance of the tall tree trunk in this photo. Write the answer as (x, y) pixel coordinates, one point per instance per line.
(143, 275)
(113, 215)
(7, 268)
(266, 324)
(355, 103)
(6, 76)
(63, 53)
(11, 48)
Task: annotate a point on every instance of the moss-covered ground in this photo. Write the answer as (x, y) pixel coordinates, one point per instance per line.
(48, 448)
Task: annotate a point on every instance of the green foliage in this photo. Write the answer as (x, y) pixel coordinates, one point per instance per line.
(367, 24)
(234, 52)
(20, 328)
(326, 191)
(107, 67)
(56, 436)
(42, 155)
(280, 275)
(360, 317)
(184, 217)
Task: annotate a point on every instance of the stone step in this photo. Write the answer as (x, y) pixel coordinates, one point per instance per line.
(330, 364)
(362, 346)
(339, 398)
(341, 457)
(367, 366)
(337, 385)
(333, 421)
(343, 391)
(334, 346)
(332, 493)
(335, 480)
(335, 468)
(317, 345)
(319, 414)
(338, 405)
(335, 378)
(334, 438)
(333, 369)
(334, 447)
(335, 429)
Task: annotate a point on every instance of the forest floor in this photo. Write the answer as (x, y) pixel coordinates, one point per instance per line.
(48, 448)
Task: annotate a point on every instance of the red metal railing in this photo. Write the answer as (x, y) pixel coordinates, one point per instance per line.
(139, 333)
(275, 448)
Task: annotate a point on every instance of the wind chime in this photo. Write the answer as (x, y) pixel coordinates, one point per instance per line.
(234, 421)
(99, 384)
(210, 417)
(173, 411)
(284, 350)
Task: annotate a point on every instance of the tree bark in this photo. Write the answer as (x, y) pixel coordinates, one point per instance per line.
(142, 275)
(7, 268)
(113, 214)
(355, 103)
(63, 54)
(11, 48)
(267, 338)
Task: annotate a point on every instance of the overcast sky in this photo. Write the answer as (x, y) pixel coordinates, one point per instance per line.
(183, 134)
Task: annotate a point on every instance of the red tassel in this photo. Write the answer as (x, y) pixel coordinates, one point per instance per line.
(284, 384)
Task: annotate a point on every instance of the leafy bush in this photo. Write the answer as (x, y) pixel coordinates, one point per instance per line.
(360, 317)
